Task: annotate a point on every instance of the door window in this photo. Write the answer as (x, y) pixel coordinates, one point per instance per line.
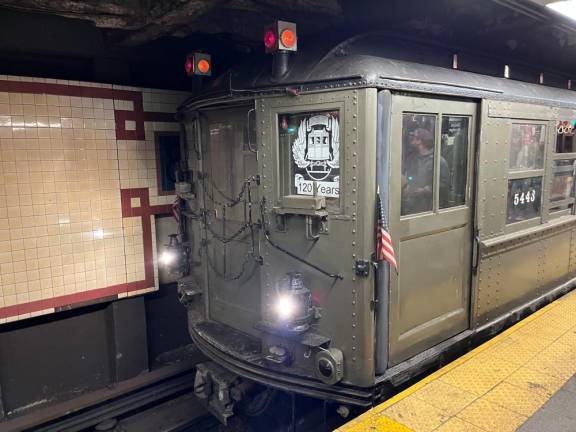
(454, 161)
(434, 175)
(418, 162)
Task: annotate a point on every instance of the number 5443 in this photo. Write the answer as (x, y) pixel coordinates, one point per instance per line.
(525, 197)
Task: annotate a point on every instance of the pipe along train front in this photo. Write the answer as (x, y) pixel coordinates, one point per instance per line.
(287, 195)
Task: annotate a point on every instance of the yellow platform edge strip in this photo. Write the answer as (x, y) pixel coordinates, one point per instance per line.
(373, 420)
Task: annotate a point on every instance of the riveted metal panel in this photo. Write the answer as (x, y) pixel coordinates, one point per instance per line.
(572, 257)
(492, 166)
(517, 268)
(347, 317)
(521, 110)
(555, 258)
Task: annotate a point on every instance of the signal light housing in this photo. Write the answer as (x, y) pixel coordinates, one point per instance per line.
(198, 64)
(280, 36)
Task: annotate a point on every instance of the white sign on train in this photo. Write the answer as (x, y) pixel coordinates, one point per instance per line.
(326, 189)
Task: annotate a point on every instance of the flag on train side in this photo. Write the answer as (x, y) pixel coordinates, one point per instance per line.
(384, 245)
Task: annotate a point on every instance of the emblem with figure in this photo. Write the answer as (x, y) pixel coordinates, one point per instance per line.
(316, 154)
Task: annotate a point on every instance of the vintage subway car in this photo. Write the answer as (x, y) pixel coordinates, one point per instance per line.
(288, 175)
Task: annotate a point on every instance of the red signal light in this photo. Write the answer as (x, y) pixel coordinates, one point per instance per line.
(198, 64)
(280, 36)
(269, 39)
(189, 66)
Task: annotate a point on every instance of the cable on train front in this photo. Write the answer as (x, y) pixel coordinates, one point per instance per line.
(274, 261)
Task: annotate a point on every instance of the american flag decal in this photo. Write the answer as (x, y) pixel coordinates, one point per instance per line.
(384, 245)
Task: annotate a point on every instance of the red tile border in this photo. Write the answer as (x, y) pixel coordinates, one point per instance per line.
(120, 116)
(144, 211)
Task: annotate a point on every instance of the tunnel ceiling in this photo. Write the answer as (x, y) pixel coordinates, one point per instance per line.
(522, 30)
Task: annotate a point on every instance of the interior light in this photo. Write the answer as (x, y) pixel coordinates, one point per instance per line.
(269, 39)
(288, 38)
(565, 7)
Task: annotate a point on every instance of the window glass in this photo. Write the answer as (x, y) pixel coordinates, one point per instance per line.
(225, 139)
(524, 198)
(565, 138)
(454, 161)
(310, 153)
(168, 155)
(418, 137)
(562, 180)
(527, 146)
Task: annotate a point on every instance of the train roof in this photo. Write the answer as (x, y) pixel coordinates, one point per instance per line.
(379, 60)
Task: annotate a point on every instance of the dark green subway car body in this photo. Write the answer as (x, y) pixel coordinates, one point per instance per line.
(288, 178)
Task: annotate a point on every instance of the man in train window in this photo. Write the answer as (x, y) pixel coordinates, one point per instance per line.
(418, 174)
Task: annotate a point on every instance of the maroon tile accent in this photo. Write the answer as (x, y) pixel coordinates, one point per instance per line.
(144, 211)
(120, 116)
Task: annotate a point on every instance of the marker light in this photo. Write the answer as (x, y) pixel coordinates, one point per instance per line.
(285, 307)
(203, 66)
(269, 39)
(288, 38)
(189, 66)
(280, 36)
(198, 64)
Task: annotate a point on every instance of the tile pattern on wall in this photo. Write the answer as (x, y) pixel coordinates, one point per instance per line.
(78, 192)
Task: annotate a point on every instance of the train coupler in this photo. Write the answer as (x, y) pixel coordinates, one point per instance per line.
(218, 389)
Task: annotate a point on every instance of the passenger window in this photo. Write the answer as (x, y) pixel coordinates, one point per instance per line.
(454, 161)
(527, 146)
(562, 187)
(310, 154)
(524, 198)
(565, 138)
(418, 161)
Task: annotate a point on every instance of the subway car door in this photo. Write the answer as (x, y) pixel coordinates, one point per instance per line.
(431, 221)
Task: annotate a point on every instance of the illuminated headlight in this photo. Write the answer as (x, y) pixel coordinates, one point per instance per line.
(167, 258)
(291, 308)
(285, 307)
(172, 256)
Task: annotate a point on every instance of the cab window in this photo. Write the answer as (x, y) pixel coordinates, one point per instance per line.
(310, 145)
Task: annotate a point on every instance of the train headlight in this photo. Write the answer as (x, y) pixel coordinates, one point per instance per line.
(292, 307)
(167, 257)
(172, 255)
(285, 307)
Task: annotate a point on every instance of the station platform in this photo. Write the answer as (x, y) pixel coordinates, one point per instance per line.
(521, 380)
